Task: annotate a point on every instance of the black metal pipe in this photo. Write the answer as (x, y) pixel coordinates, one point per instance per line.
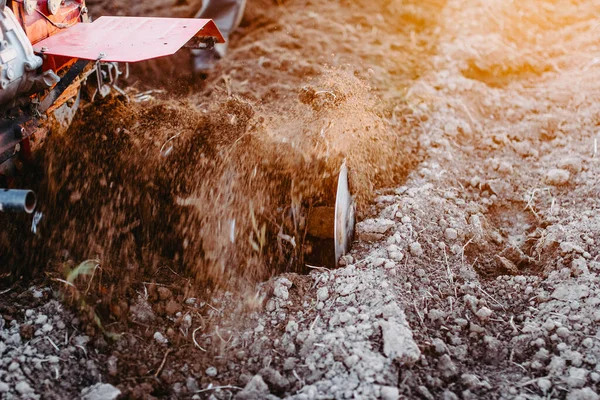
(15, 200)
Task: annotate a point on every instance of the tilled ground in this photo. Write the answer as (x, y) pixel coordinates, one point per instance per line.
(474, 276)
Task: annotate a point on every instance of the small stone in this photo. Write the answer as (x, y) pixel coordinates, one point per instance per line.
(271, 305)
(159, 337)
(451, 234)
(439, 346)
(4, 387)
(563, 332)
(172, 307)
(371, 230)
(164, 293)
(583, 394)
(579, 267)
(112, 366)
(291, 327)
(446, 367)
(544, 384)
(100, 391)
(505, 167)
(570, 247)
(142, 311)
(323, 293)
(557, 177)
(255, 389)
(572, 164)
(471, 381)
(398, 343)
(211, 371)
(475, 222)
(41, 319)
(274, 380)
(435, 314)
(416, 249)
(577, 377)
(484, 313)
(389, 393)
(568, 292)
(289, 364)
(351, 361)
(191, 384)
(281, 288)
(23, 388)
(449, 395)
(425, 393)
(522, 148)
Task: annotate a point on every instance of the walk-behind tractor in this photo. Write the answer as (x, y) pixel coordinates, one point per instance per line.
(53, 58)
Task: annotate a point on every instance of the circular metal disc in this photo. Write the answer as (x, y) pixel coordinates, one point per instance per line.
(30, 6)
(54, 6)
(344, 215)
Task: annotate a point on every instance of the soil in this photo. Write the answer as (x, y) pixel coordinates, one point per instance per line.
(470, 132)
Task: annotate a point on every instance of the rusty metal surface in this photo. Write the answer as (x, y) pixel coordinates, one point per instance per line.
(127, 39)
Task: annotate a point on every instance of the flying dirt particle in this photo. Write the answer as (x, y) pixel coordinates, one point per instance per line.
(557, 177)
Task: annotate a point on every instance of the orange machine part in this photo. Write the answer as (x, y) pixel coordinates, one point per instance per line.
(41, 24)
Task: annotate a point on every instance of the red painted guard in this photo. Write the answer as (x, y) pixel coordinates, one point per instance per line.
(127, 39)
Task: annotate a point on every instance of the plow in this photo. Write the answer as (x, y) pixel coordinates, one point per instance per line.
(54, 58)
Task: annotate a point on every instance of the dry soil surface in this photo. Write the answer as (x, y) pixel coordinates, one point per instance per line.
(470, 128)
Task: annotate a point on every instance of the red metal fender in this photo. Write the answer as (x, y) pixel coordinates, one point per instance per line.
(127, 39)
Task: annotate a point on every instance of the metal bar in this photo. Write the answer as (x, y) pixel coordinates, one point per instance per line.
(63, 84)
(14, 200)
